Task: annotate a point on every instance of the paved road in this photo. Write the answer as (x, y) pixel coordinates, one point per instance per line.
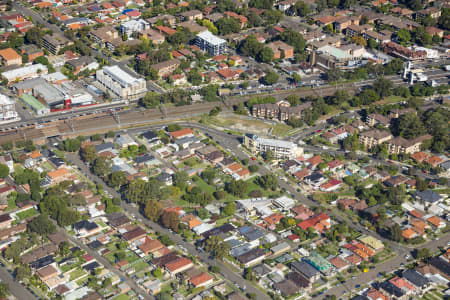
(225, 271)
(132, 284)
(36, 17)
(16, 289)
(387, 266)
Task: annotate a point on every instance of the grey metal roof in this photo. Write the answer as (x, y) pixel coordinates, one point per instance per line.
(304, 269)
(428, 196)
(416, 278)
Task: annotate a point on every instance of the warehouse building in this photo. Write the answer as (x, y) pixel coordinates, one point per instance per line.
(23, 73)
(50, 95)
(34, 104)
(121, 84)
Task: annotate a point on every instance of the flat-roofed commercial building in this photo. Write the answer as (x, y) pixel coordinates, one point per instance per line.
(120, 83)
(35, 104)
(280, 149)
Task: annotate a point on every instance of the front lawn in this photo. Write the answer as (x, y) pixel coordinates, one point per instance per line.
(27, 214)
(77, 274)
(122, 297)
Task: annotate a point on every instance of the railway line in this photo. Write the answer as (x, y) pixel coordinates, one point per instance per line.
(114, 116)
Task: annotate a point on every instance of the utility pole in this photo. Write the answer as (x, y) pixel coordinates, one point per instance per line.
(162, 107)
(116, 116)
(71, 121)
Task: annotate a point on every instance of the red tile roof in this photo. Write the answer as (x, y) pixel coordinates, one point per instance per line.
(200, 279)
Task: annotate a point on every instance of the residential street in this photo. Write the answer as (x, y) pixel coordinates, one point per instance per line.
(15, 288)
(232, 143)
(107, 265)
(386, 266)
(225, 271)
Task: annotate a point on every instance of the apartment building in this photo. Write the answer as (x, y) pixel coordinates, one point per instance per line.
(167, 67)
(281, 110)
(121, 84)
(281, 50)
(280, 149)
(134, 26)
(210, 43)
(377, 119)
(10, 57)
(374, 138)
(54, 43)
(7, 109)
(399, 145)
(107, 37)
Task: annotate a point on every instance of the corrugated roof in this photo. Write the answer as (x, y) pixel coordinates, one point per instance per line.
(33, 102)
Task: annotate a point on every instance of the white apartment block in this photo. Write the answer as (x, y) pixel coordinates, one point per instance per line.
(210, 43)
(7, 109)
(133, 26)
(120, 84)
(280, 149)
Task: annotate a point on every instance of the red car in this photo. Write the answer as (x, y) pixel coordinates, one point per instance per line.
(318, 131)
(253, 158)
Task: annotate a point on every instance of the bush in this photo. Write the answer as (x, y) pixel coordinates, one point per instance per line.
(253, 168)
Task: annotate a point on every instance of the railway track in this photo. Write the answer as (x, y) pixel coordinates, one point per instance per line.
(102, 119)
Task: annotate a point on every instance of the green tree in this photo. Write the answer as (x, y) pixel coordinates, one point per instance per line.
(396, 233)
(217, 247)
(42, 225)
(270, 78)
(423, 253)
(237, 188)
(102, 166)
(4, 290)
(408, 126)
(173, 127)
(371, 43)
(253, 168)
(269, 156)
(293, 38)
(170, 219)
(180, 179)
(157, 272)
(265, 55)
(404, 36)
(4, 171)
(268, 181)
(334, 75)
(227, 25)
(22, 272)
(383, 87)
(229, 209)
(153, 210)
(209, 175)
(249, 274)
(117, 178)
(302, 9)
